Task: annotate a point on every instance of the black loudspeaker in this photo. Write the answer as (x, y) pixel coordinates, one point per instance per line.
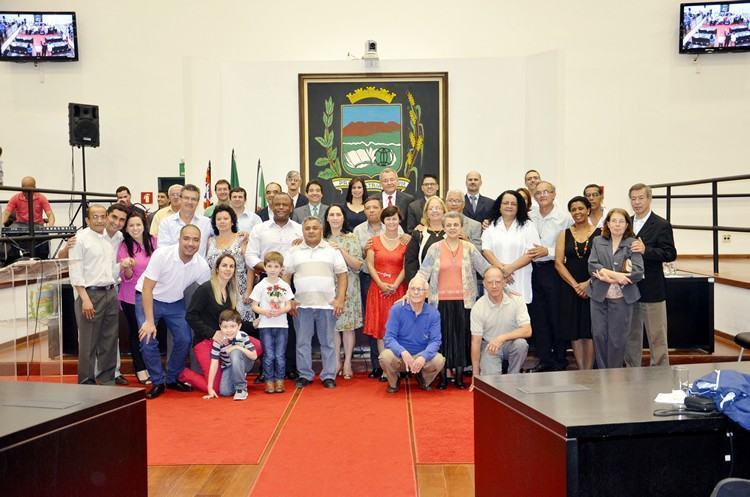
(83, 125)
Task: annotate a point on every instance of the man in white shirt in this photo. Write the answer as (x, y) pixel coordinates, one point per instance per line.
(175, 200)
(160, 295)
(93, 273)
(392, 196)
(500, 325)
(549, 221)
(320, 288)
(170, 228)
(246, 220)
(277, 234)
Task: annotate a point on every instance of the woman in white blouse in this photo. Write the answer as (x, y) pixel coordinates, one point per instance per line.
(508, 238)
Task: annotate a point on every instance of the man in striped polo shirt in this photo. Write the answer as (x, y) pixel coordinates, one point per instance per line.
(319, 273)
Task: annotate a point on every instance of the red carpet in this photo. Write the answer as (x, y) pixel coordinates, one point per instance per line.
(443, 426)
(352, 440)
(185, 429)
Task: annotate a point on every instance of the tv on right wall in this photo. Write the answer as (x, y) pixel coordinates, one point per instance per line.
(715, 27)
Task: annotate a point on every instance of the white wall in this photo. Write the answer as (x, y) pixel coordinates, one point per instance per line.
(585, 91)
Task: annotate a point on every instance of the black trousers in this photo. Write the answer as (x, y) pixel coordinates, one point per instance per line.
(544, 311)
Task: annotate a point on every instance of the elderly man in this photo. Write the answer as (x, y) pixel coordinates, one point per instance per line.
(271, 190)
(93, 274)
(175, 200)
(500, 325)
(314, 207)
(277, 235)
(472, 230)
(430, 188)
(319, 273)
(293, 184)
(477, 206)
(392, 196)
(549, 221)
(656, 243)
(171, 227)
(222, 188)
(412, 339)
(246, 219)
(160, 295)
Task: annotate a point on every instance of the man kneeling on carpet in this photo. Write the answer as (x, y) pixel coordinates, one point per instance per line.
(412, 339)
(237, 355)
(500, 325)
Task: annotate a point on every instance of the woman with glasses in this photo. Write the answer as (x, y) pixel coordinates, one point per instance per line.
(615, 269)
(451, 267)
(507, 240)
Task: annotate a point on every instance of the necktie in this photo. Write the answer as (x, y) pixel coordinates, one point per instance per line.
(390, 200)
(474, 203)
(314, 210)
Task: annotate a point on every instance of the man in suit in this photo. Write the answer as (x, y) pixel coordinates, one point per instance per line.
(656, 243)
(293, 182)
(430, 188)
(476, 206)
(314, 207)
(472, 231)
(271, 190)
(391, 195)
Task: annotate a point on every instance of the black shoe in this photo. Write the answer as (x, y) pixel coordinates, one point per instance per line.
(302, 382)
(375, 373)
(292, 375)
(443, 383)
(329, 383)
(395, 389)
(259, 379)
(120, 380)
(155, 391)
(180, 386)
(458, 379)
(420, 381)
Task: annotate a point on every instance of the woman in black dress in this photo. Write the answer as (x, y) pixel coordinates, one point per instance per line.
(571, 261)
(354, 208)
(422, 238)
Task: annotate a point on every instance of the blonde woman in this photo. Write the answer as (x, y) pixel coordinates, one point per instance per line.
(422, 238)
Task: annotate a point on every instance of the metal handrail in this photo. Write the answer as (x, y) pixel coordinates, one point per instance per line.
(714, 196)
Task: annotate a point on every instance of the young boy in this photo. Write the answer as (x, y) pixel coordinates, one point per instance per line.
(237, 358)
(271, 300)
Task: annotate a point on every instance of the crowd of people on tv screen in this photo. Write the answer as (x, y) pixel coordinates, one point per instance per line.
(445, 286)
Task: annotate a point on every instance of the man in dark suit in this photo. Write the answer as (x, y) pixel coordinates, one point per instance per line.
(314, 208)
(477, 206)
(656, 243)
(293, 183)
(271, 190)
(392, 196)
(430, 188)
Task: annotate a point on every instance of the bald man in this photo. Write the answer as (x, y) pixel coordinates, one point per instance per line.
(476, 206)
(19, 205)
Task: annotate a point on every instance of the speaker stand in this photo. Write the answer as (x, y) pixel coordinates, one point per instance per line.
(84, 202)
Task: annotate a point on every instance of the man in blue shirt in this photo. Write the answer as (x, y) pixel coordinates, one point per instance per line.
(412, 339)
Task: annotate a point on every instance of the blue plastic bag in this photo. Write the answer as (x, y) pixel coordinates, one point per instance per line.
(730, 391)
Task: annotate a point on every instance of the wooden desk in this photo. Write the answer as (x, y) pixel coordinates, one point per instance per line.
(602, 441)
(72, 440)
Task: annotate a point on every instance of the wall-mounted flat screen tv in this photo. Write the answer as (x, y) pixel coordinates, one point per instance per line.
(714, 27)
(38, 36)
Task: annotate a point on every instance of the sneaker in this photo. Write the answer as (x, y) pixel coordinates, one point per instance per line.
(270, 387)
(240, 395)
(279, 387)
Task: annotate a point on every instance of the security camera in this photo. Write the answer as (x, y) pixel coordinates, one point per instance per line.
(371, 50)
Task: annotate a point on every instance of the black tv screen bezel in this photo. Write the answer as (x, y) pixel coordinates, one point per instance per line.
(39, 58)
(706, 50)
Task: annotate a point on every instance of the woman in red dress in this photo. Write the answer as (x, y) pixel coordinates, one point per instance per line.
(385, 262)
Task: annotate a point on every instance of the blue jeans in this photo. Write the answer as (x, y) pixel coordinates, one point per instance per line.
(173, 315)
(234, 376)
(322, 322)
(274, 348)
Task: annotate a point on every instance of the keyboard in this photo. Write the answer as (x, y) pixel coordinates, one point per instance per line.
(21, 230)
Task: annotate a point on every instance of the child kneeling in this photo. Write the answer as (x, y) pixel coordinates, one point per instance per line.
(237, 358)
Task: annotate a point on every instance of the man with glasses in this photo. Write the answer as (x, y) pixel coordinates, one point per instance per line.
(175, 199)
(412, 339)
(430, 188)
(392, 196)
(595, 195)
(169, 230)
(549, 221)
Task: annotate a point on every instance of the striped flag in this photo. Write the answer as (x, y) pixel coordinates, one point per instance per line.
(234, 180)
(207, 195)
(260, 189)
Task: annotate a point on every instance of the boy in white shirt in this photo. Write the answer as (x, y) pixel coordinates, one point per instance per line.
(271, 301)
(237, 357)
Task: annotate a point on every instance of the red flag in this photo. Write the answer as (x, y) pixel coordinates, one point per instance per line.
(207, 195)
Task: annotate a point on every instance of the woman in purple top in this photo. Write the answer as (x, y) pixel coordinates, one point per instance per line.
(133, 255)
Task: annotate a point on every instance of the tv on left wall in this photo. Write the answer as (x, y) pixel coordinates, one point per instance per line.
(38, 36)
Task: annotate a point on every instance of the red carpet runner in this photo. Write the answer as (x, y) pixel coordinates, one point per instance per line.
(443, 426)
(185, 429)
(352, 440)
